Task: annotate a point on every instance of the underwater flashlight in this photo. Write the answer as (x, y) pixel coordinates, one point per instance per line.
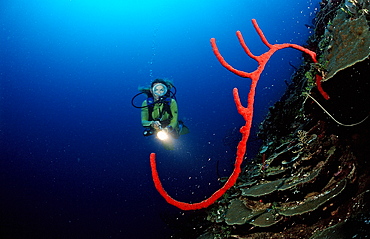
(162, 134)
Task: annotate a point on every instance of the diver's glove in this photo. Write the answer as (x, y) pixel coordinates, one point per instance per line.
(156, 124)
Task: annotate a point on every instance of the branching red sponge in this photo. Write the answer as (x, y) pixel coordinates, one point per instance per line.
(246, 112)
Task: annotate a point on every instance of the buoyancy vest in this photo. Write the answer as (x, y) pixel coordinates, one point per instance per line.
(166, 106)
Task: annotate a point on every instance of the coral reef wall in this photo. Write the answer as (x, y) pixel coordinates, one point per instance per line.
(311, 176)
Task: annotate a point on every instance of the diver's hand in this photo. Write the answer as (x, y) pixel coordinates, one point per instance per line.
(155, 124)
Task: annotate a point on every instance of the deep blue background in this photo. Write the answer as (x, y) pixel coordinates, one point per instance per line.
(74, 163)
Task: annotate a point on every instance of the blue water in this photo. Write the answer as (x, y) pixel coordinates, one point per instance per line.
(74, 163)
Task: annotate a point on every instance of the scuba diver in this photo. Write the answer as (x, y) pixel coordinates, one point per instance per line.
(159, 112)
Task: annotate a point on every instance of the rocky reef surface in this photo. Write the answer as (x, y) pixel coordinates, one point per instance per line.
(310, 178)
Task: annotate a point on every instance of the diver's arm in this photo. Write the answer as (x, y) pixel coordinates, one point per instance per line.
(174, 112)
(145, 115)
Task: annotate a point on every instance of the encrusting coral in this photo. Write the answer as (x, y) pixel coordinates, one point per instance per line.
(350, 41)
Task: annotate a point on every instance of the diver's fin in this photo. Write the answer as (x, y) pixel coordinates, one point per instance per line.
(183, 129)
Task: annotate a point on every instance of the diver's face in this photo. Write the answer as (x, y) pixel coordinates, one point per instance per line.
(158, 90)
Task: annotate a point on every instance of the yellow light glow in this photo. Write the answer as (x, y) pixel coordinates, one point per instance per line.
(162, 135)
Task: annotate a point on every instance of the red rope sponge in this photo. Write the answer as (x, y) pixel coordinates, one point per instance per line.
(246, 112)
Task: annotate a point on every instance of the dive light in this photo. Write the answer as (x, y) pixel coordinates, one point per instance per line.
(162, 134)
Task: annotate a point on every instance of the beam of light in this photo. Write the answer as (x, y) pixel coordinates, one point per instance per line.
(162, 135)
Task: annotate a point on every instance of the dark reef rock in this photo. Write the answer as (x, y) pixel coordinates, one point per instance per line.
(311, 176)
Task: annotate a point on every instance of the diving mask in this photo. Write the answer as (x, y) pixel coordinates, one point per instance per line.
(159, 89)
